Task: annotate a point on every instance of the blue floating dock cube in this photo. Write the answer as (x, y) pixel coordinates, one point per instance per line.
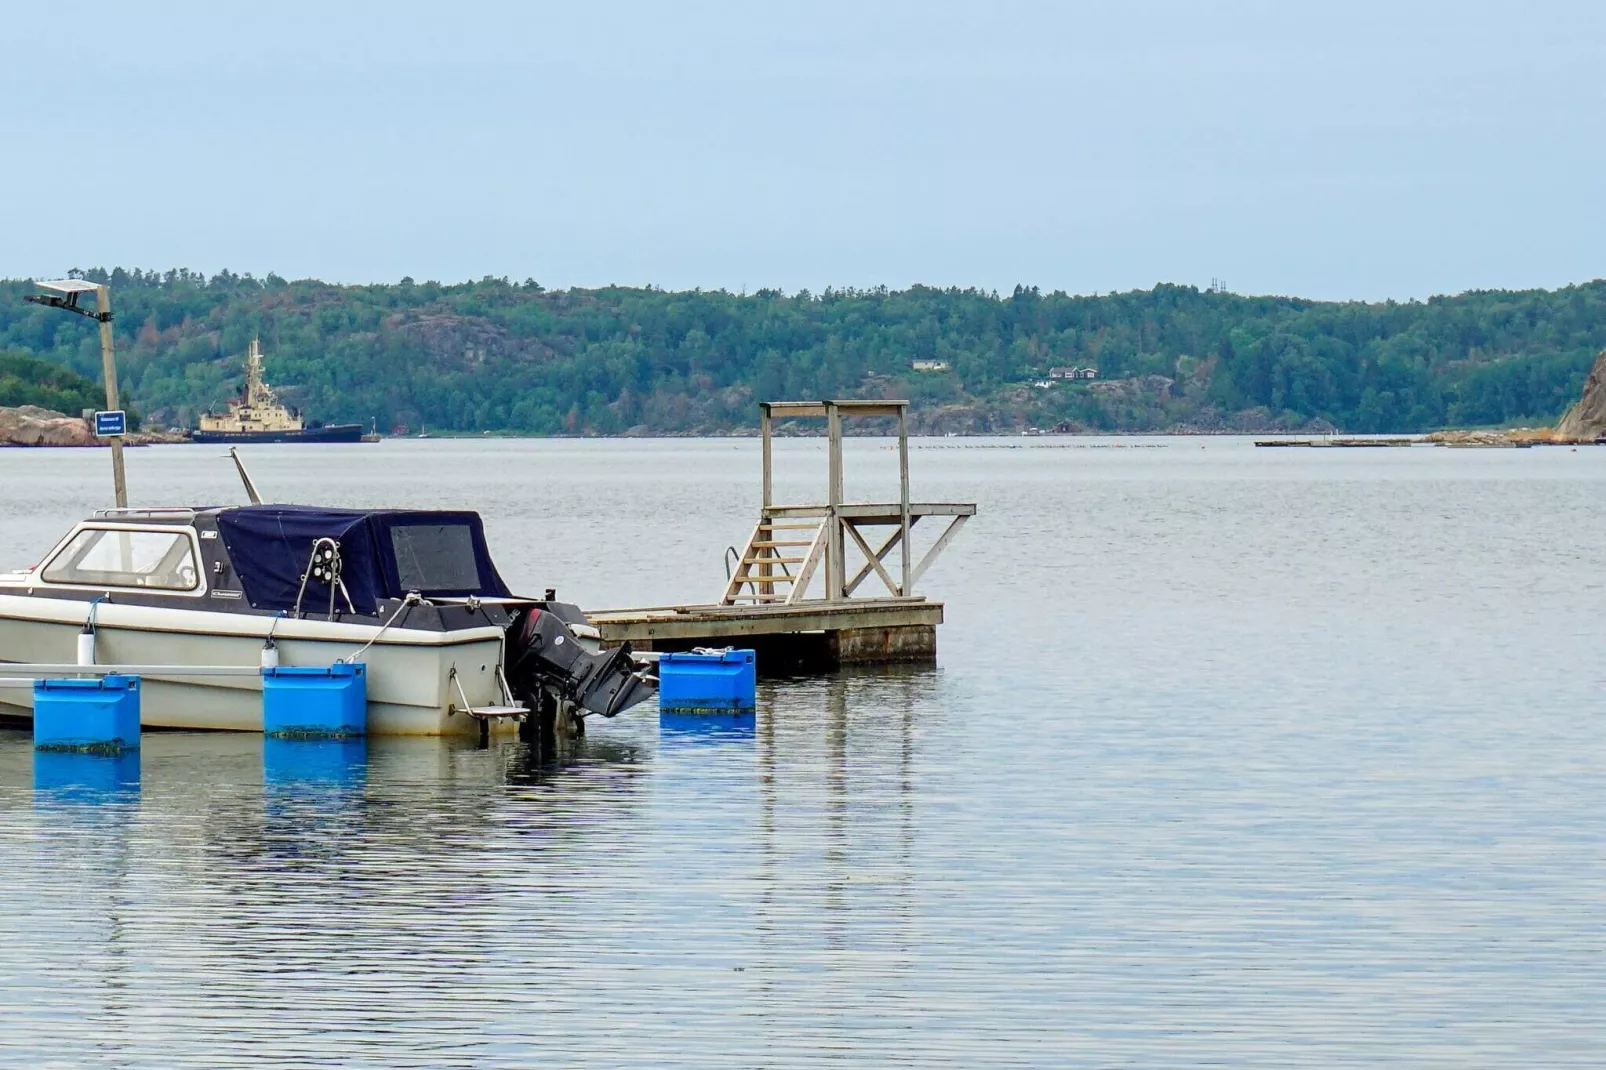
(720, 682)
(315, 702)
(100, 715)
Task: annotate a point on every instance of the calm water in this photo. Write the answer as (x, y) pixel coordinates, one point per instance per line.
(1265, 758)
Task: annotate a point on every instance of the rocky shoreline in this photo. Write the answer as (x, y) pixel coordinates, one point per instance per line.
(30, 425)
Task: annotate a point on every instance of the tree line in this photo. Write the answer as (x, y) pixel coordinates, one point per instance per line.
(26, 380)
(502, 356)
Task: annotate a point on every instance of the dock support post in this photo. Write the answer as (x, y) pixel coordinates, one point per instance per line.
(765, 431)
(765, 588)
(836, 546)
(903, 496)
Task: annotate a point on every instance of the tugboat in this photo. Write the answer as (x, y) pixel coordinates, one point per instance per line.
(258, 415)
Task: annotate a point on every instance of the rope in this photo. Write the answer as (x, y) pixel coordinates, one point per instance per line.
(413, 598)
(94, 607)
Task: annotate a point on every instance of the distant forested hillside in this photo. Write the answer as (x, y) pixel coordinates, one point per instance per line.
(26, 380)
(502, 356)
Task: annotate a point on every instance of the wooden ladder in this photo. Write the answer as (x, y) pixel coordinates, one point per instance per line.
(764, 574)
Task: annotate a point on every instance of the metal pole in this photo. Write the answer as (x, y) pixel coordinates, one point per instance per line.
(245, 477)
(108, 369)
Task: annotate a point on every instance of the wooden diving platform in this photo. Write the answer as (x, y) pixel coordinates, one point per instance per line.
(769, 603)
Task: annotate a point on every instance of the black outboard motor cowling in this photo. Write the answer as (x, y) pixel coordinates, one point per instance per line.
(544, 653)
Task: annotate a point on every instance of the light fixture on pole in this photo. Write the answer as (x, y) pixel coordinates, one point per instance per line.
(112, 423)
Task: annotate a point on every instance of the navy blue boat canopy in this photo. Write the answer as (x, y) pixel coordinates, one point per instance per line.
(382, 555)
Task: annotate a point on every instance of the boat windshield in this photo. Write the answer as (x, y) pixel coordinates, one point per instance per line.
(119, 557)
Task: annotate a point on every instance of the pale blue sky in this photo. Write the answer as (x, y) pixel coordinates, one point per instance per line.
(1338, 150)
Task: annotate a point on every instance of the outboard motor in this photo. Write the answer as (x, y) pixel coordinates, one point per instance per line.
(544, 653)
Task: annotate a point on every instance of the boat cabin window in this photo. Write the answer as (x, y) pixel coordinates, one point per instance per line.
(110, 557)
(435, 557)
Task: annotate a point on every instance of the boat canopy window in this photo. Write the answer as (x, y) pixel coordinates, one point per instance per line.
(434, 557)
(118, 557)
(382, 555)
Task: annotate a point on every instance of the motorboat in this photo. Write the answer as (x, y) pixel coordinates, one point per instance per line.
(412, 594)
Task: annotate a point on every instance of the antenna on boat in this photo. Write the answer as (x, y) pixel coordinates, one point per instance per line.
(245, 476)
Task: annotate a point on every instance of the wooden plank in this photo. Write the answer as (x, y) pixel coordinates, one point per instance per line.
(836, 545)
(893, 511)
(866, 510)
(877, 602)
(869, 407)
(937, 547)
(799, 409)
(789, 512)
(764, 429)
(787, 409)
(805, 572)
(903, 494)
(859, 577)
(872, 558)
(765, 571)
(775, 619)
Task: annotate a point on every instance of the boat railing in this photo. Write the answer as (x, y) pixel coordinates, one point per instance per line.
(151, 511)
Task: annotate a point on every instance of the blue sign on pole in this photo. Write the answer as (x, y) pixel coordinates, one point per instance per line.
(111, 423)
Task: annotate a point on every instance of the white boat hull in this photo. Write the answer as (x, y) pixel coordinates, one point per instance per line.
(410, 690)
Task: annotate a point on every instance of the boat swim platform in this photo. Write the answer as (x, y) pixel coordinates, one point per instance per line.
(816, 635)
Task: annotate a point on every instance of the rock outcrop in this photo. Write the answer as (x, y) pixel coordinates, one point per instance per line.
(29, 425)
(1586, 420)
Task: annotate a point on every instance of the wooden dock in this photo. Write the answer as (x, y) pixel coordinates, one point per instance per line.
(1338, 443)
(768, 602)
(811, 636)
